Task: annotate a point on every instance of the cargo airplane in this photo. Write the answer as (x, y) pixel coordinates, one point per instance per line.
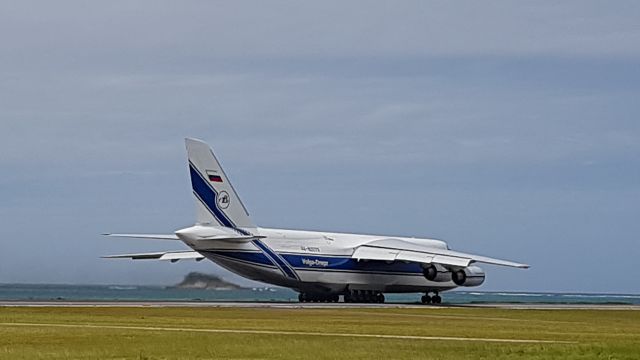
(321, 266)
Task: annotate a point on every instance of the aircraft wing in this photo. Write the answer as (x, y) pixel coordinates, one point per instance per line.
(172, 256)
(396, 249)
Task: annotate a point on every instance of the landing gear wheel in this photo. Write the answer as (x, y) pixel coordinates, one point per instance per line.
(363, 296)
(319, 297)
(437, 299)
(425, 299)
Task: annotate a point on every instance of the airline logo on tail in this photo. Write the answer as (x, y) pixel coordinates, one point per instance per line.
(223, 200)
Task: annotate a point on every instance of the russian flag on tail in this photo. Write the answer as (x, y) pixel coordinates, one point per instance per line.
(214, 177)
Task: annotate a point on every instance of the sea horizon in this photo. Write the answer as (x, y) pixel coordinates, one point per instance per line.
(131, 292)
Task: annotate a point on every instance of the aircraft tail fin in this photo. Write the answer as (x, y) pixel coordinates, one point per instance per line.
(217, 203)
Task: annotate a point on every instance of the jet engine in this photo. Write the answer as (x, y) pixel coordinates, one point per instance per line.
(437, 273)
(469, 276)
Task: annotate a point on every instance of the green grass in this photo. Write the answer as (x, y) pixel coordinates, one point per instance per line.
(593, 334)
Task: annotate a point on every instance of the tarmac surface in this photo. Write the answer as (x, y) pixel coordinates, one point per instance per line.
(292, 305)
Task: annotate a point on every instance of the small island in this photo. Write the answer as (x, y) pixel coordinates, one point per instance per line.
(198, 280)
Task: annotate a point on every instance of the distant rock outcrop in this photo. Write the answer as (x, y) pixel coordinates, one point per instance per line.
(197, 280)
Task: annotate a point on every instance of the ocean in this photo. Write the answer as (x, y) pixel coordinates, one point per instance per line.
(40, 292)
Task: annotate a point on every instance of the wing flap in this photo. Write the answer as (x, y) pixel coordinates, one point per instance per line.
(372, 253)
(452, 260)
(415, 256)
(488, 260)
(397, 249)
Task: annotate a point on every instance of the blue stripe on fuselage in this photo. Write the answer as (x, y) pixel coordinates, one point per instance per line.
(280, 262)
(333, 263)
(303, 261)
(253, 257)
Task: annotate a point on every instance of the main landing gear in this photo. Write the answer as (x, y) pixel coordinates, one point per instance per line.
(351, 296)
(363, 296)
(317, 297)
(435, 299)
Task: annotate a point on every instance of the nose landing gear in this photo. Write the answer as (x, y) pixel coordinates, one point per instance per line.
(435, 299)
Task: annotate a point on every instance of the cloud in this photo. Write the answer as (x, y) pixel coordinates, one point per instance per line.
(137, 32)
(491, 124)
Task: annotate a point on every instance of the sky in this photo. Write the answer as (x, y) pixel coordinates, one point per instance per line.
(509, 129)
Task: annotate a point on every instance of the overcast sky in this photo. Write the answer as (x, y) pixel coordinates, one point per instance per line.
(509, 129)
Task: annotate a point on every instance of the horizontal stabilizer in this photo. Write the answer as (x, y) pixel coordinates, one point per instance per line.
(200, 233)
(231, 238)
(172, 256)
(145, 236)
(196, 237)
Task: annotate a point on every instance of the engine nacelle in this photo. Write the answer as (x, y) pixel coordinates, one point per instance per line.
(436, 273)
(469, 276)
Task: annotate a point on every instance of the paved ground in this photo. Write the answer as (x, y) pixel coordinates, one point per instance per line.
(305, 305)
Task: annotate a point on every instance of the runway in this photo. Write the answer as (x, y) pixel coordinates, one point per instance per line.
(292, 305)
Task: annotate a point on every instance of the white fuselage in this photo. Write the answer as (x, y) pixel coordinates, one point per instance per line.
(314, 261)
(321, 266)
